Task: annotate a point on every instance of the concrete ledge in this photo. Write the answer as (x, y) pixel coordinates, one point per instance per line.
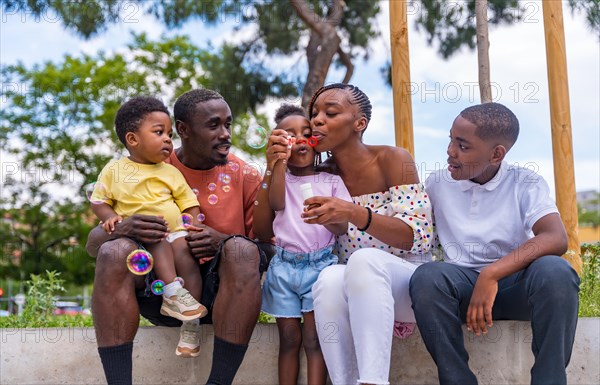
(69, 356)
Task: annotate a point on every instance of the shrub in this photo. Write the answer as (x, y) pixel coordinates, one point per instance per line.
(589, 290)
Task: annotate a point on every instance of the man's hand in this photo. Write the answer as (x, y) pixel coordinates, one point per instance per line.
(203, 242)
(479, 313)
(142, 228)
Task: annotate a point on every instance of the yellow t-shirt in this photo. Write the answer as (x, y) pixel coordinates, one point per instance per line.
(151, 189)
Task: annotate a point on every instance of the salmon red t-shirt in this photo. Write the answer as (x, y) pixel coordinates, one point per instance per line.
(226, 193)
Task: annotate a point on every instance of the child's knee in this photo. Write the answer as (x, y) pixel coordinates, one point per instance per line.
(554, 276)
(290, 337)
(422, 286)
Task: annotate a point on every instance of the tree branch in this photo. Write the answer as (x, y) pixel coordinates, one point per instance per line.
(345, 59)
(308, 16)
(337, 12)
(55, 242)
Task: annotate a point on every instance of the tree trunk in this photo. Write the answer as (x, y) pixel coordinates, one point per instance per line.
(317, 70)
(323, 45)
(483, 54)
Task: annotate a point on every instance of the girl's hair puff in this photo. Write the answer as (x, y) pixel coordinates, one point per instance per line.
(286, 110)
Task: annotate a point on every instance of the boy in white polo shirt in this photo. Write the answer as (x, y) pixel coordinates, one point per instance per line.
(501, 235)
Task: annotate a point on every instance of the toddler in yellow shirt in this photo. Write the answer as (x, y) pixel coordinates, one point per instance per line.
(143, 183)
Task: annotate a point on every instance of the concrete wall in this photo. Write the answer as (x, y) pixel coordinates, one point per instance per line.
(69, 356)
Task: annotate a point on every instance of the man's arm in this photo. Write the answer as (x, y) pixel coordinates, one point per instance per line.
(550, 238)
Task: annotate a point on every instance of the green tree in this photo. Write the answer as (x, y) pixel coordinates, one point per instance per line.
(451, 25)
(335, 31)
(56, 125)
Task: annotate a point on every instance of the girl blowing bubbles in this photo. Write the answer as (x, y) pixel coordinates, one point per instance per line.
(302, 249)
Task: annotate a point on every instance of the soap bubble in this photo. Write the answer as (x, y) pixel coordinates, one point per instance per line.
(227, 188)
(212, 186)
(256, 137)
(186, 220)
(157, 287)
(233, 166)
(96, 193)
(201, 217)
(213, 199)
(140, 262)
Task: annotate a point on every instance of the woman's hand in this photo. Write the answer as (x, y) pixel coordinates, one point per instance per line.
(328, 210)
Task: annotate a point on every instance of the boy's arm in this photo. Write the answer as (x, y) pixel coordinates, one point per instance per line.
(107, 215)
(550, 238)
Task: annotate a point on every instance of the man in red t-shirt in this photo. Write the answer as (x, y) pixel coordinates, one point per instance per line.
(230, 262)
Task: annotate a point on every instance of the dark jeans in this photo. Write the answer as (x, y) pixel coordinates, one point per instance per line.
(546, 293)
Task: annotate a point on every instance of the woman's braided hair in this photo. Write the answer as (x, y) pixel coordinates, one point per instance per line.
(358, 97)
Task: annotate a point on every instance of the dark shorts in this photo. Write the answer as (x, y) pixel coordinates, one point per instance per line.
(150, 303)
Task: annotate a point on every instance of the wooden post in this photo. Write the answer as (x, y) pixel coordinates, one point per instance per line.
(401, 87)
(560, 121)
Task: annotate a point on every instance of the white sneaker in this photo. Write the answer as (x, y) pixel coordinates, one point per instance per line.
(182, 306)
(189, 340)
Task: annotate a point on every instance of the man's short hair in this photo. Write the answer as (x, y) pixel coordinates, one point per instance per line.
(186, 103)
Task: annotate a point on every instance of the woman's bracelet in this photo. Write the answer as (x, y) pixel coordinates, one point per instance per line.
(368, 221)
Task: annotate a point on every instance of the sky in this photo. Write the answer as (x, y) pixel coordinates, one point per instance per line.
(440, 88)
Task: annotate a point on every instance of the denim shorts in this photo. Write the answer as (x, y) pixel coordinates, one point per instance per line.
(287, 290)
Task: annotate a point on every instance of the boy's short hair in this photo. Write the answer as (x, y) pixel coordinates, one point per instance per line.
(493, 120)
(287, 110)
(186, 103)
(131, 114)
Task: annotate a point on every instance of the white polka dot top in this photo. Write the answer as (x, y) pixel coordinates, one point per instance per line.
(408, 203)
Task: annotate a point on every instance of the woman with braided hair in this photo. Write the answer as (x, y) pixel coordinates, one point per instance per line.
(362, 302)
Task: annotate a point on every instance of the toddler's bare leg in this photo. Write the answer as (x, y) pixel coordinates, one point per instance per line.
(187, 267)
(164, 264)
